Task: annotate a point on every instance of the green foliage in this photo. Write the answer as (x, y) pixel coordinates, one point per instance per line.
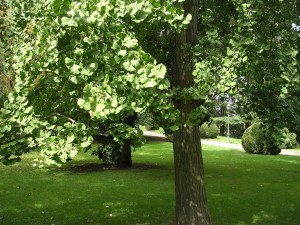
(108, 153)
(98, 61)
(264, 40)
(290, 117)
(258, 139)
(247, 50)
(147, 120)
(83, 59)
(209, 130)
(236, 128)
(224, 120)
(293, 140)
(289, 139)
(6, 77)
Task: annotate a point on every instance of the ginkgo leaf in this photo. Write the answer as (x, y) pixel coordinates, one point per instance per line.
(150, 83)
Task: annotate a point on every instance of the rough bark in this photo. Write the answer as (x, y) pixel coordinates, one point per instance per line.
(191, 203)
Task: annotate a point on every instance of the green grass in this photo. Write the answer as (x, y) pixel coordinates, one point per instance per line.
(239, 141)
(242, 189)
(224, 139)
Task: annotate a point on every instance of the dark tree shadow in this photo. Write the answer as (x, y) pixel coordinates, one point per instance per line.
(101, 167)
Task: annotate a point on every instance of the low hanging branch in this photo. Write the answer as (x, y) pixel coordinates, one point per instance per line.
(61, 115)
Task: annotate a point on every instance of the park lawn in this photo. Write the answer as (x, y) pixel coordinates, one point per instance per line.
(239, 141)
(242, 189)
(231, 140)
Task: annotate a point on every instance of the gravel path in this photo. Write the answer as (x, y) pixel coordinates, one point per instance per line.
(221, 144)
(153, 136)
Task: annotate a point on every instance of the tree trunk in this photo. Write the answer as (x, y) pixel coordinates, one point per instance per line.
(222, 130)
(125, 155)
(298, 16)
(191, 203)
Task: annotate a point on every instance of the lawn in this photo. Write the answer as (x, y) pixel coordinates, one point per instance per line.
(231, 140)
(242, 189)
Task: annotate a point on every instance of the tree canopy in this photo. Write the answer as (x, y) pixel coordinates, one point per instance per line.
(78, 63)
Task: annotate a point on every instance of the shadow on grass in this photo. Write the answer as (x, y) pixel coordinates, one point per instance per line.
(242, 189)
(91, 193)
(101, 167)
(256, 189)
(72, 211)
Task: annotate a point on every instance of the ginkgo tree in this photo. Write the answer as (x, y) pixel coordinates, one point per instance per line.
(6, 78)
(76, 65)
(82, 63)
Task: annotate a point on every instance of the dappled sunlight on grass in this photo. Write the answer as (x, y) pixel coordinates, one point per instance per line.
(255, 189)
(287, 160)
(151, 154)
(262, 217)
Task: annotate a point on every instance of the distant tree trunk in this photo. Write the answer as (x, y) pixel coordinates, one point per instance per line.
(125, 160)
(222, 130)
(298, 16)
(191, 203)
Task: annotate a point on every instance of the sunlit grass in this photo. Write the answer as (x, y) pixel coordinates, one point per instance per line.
(242, 189)
(231, 140)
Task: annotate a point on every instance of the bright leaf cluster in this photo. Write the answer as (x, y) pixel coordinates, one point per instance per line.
(78, 63)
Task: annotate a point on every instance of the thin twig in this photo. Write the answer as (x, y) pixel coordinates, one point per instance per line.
(60, 115)
(67, 118)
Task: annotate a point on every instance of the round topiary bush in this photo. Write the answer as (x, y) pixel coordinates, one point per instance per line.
(209, 131)
(289, 139)
(259, 140)
(293, 140)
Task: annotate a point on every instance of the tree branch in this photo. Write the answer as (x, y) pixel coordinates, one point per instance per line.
(60, 115)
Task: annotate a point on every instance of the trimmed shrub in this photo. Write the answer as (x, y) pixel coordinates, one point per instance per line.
(293, 140)
(289, 139)
(259, 140)
(209, 131)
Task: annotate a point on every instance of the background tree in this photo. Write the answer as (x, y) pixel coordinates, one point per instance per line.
(290, 116)
(251, 53)
(6, 78)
